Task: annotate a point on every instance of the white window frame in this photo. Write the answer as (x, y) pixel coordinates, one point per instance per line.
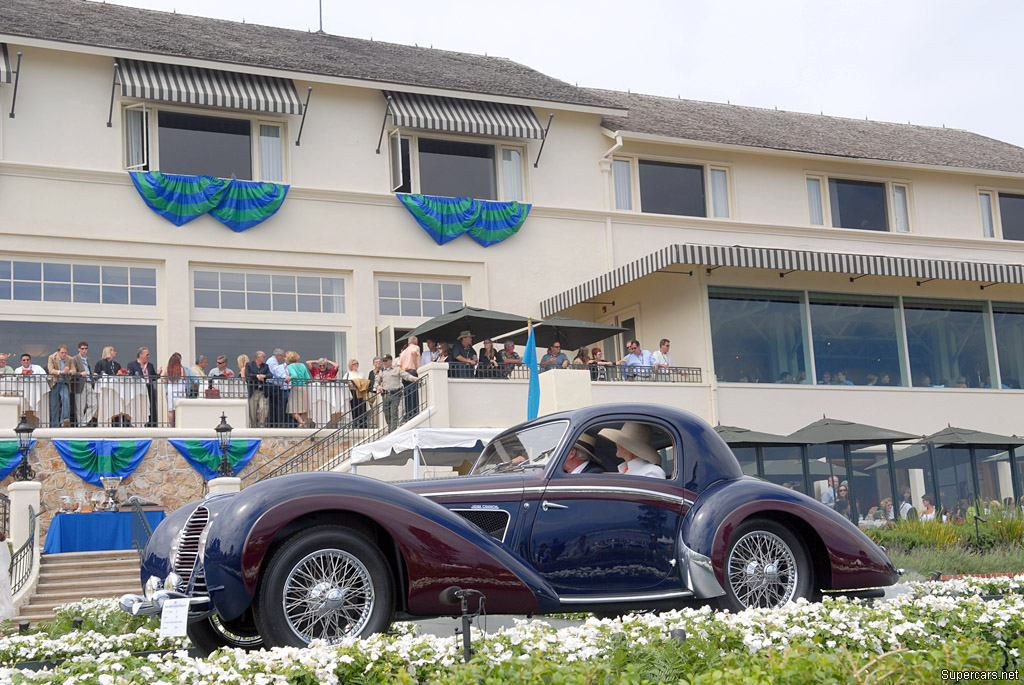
(395, 136)
(993, 193)
(400, 321)
(255, 119)
(212, 316)
(707, 167)
(890, 200)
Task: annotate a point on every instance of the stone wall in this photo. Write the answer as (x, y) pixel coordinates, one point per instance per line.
(163, 476)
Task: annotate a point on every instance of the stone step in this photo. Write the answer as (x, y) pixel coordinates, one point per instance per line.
(88, 564)
(109, 554)
(47, 574)
(106, 587)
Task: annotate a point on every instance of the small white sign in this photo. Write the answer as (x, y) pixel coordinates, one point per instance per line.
(174, 618)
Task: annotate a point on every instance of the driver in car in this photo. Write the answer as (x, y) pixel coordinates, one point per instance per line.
(633, 441)
(581, 458)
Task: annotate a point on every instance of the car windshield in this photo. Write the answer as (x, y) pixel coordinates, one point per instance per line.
(530, 448)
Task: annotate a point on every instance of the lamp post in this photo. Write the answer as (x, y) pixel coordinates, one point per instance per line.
(225, 469)
(24, 432)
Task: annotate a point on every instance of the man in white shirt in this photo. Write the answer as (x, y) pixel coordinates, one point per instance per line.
(662, 359)
(28, 367)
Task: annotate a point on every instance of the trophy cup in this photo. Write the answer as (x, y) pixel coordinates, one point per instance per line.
(110, 484)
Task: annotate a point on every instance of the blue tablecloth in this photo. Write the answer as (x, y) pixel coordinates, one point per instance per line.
(94, 532)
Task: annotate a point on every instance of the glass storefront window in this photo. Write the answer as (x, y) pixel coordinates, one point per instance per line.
(213, 342)
(784, 466)
(758, 336)
(995, 483)
(855, 339)
(747, 457)
(948, 344)
(40, 339)
(956, 483)
(871, 484)
(1009, 325)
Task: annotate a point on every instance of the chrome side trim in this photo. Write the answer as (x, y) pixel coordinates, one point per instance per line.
(700, 574)
(603, 599)
(576, 488)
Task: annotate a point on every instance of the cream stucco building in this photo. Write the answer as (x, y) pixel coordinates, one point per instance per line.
(761, 243)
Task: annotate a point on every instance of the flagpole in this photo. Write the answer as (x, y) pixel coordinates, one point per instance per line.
(533, 397)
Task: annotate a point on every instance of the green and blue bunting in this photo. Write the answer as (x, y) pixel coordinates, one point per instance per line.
(447, 218)
(10, 457)
(93, 459)
(239, 205)
(204, 455)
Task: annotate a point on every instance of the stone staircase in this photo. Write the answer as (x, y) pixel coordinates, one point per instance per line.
(70, 577)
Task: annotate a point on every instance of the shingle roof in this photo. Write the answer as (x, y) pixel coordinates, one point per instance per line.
(811, 133)
(165, 33)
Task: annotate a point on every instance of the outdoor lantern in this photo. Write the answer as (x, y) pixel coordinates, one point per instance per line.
(224, 441)
(24, 432)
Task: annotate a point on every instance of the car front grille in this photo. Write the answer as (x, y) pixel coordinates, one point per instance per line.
(494, 522)
(187, 552)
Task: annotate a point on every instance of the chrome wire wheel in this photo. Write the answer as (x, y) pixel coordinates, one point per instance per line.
(762, 570)
(328, 595)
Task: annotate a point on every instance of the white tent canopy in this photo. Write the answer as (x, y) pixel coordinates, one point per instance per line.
(429, 446)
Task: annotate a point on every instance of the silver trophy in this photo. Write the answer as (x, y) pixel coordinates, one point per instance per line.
(110, 484)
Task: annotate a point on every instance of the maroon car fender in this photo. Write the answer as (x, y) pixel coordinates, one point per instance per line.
(439, 548)
(854, 561)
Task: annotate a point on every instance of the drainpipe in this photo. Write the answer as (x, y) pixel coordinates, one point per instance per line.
(606, 168)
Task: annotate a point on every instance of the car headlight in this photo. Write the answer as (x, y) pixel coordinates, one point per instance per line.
(172, 581)
(152, 585)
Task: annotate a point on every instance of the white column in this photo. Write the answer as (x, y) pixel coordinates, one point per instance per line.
(436, 381)
(23, 494)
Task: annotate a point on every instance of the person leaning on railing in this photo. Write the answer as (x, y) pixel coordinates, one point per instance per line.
(638, 362)
(359, 387)
(256, 373)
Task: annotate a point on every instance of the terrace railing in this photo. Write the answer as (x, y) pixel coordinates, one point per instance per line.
(611, 372)
(5, 515)
(125, 401)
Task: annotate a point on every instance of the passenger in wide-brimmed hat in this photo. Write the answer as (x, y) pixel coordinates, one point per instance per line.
(463, 356)
(634, 448)
(581, 458)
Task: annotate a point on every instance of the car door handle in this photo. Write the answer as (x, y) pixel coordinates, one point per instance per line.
(545, 505)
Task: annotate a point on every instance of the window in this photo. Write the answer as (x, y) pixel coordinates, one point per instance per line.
(456, 168)
(948, 343)
(667, 188)
(203, 145)
(1009, 325)
(79, 283)
(1008, 222)
(268, 292)
(40, 339)
(855, 336)
(758, 336)
(672, 188)
(852, 203)
(310, 344)
(415, 298)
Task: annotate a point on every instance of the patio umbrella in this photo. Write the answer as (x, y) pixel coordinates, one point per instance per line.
(572, 333)
(917, 456)
(744, 437)
(483, 323)
(828, 431)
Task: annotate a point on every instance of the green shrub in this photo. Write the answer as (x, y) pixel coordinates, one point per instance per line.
(925, 561)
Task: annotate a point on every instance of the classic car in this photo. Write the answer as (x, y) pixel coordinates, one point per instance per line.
(656, 514)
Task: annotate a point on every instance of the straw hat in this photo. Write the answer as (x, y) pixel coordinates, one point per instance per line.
(587, 445)
(635, 437)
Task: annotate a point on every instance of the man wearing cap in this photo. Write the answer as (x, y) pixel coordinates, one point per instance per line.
(634, 448)
(508, 358)
(581, 457)
(464, 356)
(389, 384)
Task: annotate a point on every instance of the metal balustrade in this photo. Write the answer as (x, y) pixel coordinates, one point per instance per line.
(5, 515)
(602, 372)
(331, 445)
(125, 401)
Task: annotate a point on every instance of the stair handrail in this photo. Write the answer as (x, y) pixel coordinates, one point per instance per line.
(370, 426)
(22, 560)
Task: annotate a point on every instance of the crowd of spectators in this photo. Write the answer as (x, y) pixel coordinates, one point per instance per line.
(277, 385)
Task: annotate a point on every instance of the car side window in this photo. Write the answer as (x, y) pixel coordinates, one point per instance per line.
(634, 448)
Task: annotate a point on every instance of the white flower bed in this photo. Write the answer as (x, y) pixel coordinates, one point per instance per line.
(928, 615)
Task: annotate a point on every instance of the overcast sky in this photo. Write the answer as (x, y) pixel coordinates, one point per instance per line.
(930, 62)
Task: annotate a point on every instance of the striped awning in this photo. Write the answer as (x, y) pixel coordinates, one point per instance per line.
(5, 64)
(212, 87)
(463, 116)
(785, 260)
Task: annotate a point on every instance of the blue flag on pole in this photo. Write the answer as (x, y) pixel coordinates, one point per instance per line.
(533, 400)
